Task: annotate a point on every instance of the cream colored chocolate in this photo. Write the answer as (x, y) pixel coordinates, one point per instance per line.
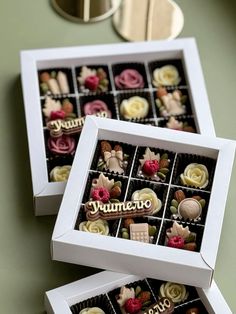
(134, 108)
(165, 76)
(148, 194)
(60, 173)
(190, 208)
(174, 291)
(96, 209)
(63, 82)
(139, 232)
(92, 310)
(67, 127)
(195, 175)
(98, 226)
(114, 161)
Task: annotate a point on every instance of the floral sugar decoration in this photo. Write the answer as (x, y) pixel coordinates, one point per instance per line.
(99, 226)
(94, 80)
(60, 173)
(176, 292)
(180, 237)
(133, 300)
(55, 109)
(154, 166)
(167, 75)
(175, 124)
(54, 82)
(187, 208)
(195, 175)
(112, 158)
(63, 145)
(170, 103)
(92, 310)
(105, 190)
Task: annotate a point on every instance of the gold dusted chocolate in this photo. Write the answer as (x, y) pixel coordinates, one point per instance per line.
(162, 306)
(108, 211)
(59, 127)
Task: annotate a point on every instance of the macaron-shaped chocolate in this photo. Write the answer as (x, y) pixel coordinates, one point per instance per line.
(190, 208)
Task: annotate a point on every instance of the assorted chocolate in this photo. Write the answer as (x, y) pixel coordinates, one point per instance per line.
(153, 93)
(146, 296)
(154, 195)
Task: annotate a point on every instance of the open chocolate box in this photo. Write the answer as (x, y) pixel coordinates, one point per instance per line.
(103, 290)
(119, 81)
(165, 189)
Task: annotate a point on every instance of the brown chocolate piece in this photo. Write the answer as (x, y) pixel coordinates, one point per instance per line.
(162, 306)
(105, 147)
(193, 310)
(96, 209)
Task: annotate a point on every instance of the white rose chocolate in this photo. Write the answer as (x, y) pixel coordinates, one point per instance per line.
(59, 174)
(92, 310)
(148, 194)
(134, 108)
(165, 76)
(176, 292)
(195, 175)
(99, 226)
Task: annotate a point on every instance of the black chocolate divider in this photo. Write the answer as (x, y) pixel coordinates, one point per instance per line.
(182, 309)
(113, 224)
(188, 108)
(95, 67)
(128, 94)
(67, 71)
(119, 67)
(114, 294)
(188, 193)
(139, 155)
(127, 149)
(148, 121)
(147, 219)
(60, 98)
(175, 62)
(155, 285)
(100, 301)
(159, 189)
(183, 160)
(95, 175)
(107, 98)
(188, 121)
(192, 228)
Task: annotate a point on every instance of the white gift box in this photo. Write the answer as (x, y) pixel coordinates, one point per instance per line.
(59, 301)
(121, 255)
(48, 195)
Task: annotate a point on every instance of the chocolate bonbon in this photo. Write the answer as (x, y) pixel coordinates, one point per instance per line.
(163, 306)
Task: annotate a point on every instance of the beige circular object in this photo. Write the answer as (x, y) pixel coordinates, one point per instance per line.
(140, 20)
(85, 10)
(189, 208)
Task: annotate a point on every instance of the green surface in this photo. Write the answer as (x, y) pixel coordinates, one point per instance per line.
(26, 270)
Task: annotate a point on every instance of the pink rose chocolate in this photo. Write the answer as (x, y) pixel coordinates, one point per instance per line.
(96, 106)
(129, 78)
(61, 145)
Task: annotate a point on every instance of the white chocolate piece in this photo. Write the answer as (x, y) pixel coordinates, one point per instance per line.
(190, 208)
(53, 86)
(139, 232)
(63, 82)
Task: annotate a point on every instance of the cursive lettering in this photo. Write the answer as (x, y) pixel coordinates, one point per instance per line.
(67, 127)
